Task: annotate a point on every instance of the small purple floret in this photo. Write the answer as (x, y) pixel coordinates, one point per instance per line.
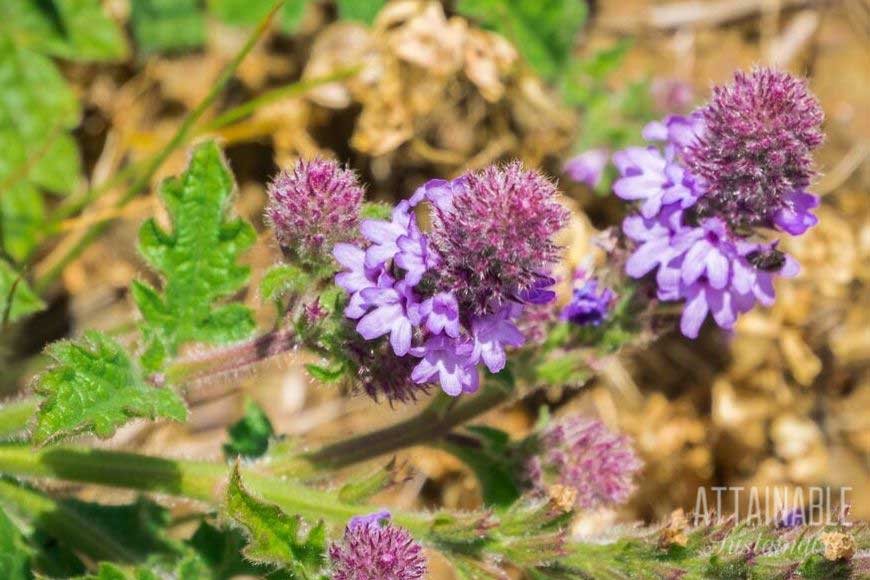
(491, 333)
(449, 361)
(588, 167)
(588, 306)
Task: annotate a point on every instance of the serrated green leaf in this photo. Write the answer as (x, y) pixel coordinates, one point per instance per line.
(24, 301)
(360, 489)
(359, 10)
(282, 279)
(93, 386)
(167, 25)
(250, 435)
(325, 375)
(197, 259)
(275, 537)
(14, 553)
(70, 29)
(543, 32)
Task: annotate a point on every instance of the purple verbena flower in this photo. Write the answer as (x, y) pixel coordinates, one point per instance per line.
(585, 455)
(313, 206)
(756, 148)
(384, 235)
(653, 179)
(588, 167)
(449, 361)
(496, 235)
(374, 549)
(394, 312)
(441, 314)
(492, 332)
(588, 306)
(355, 278)
(439, 192)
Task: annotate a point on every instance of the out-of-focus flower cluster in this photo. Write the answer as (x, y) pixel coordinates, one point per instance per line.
(452, 296)
(738, 164)
(585, 456)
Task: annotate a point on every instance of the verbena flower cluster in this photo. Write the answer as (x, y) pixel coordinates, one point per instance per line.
(584, 455)
(373, 549)
(313, 206)
(714, 180)
(451, 297)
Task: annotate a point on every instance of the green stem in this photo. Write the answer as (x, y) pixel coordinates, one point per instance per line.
(197, 480)
(142, 181)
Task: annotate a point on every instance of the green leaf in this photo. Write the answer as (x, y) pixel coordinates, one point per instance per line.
(360, 489)
(167, 25)
(251, 12)
(70, 29)
(221, 550)
(282, 279)
(93, 386)
(325, 375)
(543, 31)
(14, 287)
(36, 110)
(275, 537)
(197, 260)
(14, 553)
(190, 567)
(363, 11)
(250, 435)
(487, 455)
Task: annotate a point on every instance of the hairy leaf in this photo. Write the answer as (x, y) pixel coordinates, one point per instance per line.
(275, 537)
(14, 553)
(167, 25)
(250, 435)
(13, 287)
(197, 259)
(190, 567)
(93, 386)
(543, 31)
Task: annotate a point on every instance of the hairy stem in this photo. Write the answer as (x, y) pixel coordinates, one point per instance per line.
(430, 425)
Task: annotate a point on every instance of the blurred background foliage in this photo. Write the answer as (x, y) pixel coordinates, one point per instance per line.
(99, 101)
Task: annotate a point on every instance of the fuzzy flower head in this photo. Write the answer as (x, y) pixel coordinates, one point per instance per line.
(586, 456)
(313, 206)
(374, 549)
(756, 149)
(495, 238)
